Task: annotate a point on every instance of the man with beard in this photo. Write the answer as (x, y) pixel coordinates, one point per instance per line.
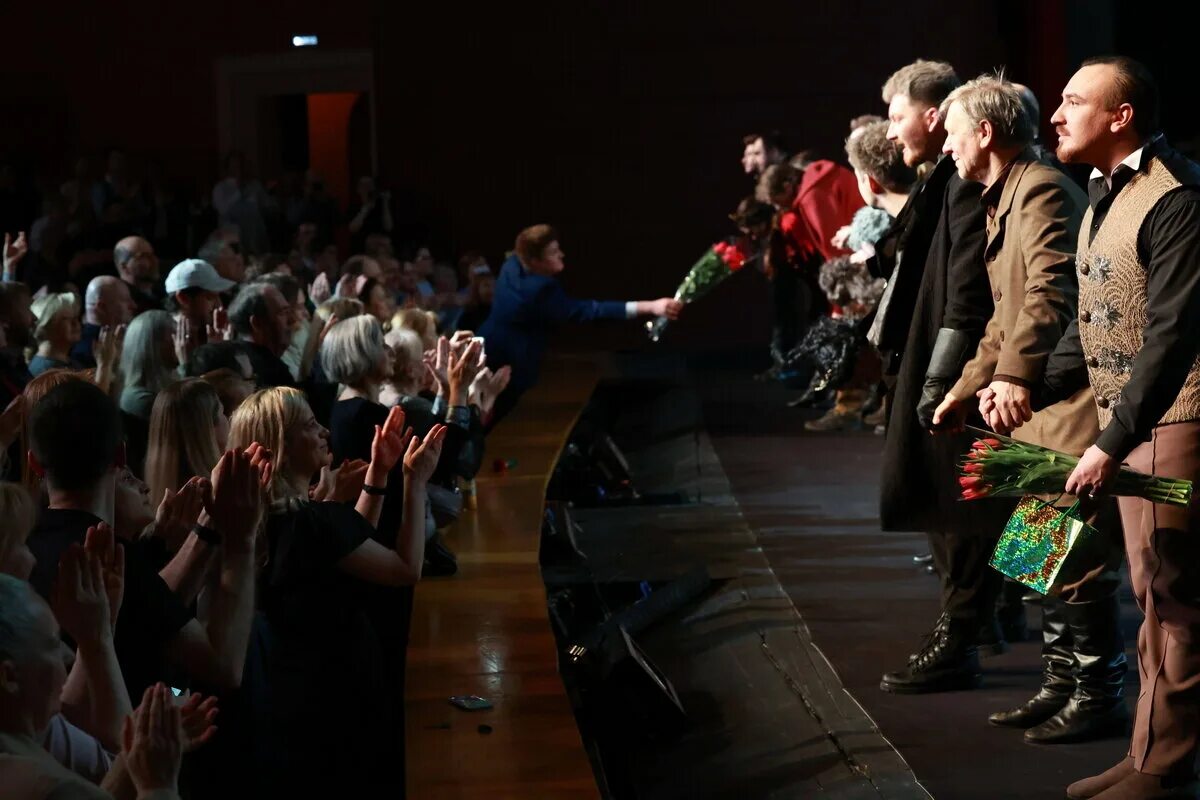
(1034, 214)
(1136, 341)
(928, 322)
(762, 150)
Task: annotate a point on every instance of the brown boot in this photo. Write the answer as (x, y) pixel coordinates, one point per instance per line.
(1141, 786)
(1090, 787)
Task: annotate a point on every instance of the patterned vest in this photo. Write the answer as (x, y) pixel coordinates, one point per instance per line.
(1112, 295)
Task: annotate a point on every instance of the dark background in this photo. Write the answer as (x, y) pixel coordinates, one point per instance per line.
(620, 124)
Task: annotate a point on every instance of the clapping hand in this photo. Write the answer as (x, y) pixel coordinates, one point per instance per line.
(101, 542)
(390, 442)
(461, 369)
(79, 599)
(319, 290)
(178, 511)
(340, 484)
(219, 330)
(421, 458)
(240, 480)
(108, 347)
(197, 714)
(153, 742)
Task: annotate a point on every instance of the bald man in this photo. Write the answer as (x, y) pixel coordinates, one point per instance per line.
(107, 302)
(137, 265)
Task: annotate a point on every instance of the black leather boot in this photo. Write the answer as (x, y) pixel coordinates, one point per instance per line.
(1058, 679)
(948, 661)
(990, 637)
(1096, 709)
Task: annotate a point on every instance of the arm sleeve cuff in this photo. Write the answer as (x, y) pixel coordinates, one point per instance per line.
(1116, 441)
(1013, 379)
(631, 309)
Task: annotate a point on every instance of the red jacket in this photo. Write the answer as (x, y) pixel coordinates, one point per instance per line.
(826, 201)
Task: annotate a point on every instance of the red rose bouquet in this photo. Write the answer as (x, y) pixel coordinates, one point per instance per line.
(998, 466)
(718, 263)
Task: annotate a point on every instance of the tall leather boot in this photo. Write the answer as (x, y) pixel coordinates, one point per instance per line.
(1096, 709)
(1058, 680)
(949, 661)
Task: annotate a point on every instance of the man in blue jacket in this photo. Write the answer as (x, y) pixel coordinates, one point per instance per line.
(529, 304)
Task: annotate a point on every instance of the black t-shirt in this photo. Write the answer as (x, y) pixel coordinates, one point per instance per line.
(151, 614)
(326, 669)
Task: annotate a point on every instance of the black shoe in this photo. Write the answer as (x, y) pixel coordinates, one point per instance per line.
(923, 558)
(1096, 709)
(439, 561)
(1058, 681)
(948, 662)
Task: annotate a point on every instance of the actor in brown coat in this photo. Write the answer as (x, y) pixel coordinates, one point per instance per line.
(1034, 212)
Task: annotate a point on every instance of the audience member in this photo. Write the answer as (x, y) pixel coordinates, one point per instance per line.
(232, 387)
(194, 296)
(137, 266)
(225, 255)
(76, 448)
(149, 362)
(57, 331)
(370, 213)
(261, 319)
(188, 432)
(107, 302)
(322, 636)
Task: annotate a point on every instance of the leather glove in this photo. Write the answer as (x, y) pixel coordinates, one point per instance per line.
(950, 350)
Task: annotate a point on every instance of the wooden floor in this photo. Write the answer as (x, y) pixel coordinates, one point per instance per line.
(485, 631)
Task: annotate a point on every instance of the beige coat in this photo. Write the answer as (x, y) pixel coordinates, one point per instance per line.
(1030, 257)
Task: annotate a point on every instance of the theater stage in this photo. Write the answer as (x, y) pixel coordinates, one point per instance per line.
(777, 665)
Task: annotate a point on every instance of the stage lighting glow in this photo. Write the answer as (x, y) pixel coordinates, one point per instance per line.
(304, 41)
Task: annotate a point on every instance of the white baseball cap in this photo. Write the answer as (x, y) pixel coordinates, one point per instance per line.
(193, 273)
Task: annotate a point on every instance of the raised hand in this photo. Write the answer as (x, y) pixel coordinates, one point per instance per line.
(178, 511)
(390, 442)
(460, 338)
(14, 251)
(319, 290)
(438, 361)
(79, 599)
(152, 742)
(219, 330)
(461, 371)
(101, 542)
(421, 458)
(197, 714)
(500, 381)
(238, 495)
(340, 484)
(109, 346)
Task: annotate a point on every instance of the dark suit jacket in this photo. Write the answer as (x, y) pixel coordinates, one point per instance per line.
(525, 311)
(919, 485)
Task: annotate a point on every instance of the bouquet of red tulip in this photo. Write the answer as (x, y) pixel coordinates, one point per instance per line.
(718, 263)
(999, 466)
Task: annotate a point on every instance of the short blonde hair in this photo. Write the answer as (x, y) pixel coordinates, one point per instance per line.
(353, 349)
(266, 417)
(47, 307)
(1000, 102)
(340, 307)
(925, 82)
(421, 322)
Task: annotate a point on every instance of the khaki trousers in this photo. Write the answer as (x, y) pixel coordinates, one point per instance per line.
(1163, 546)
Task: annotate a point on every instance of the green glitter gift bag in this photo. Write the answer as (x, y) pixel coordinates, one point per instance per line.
(1041, 543)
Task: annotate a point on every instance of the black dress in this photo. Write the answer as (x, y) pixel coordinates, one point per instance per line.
(331, 692)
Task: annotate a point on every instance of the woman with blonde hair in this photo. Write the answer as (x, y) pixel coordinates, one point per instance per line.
(149, 361)
(56, 331)
(421, 322)
(188, 433)
(327, 669)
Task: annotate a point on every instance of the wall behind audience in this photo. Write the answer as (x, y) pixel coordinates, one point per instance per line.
(619, 122)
